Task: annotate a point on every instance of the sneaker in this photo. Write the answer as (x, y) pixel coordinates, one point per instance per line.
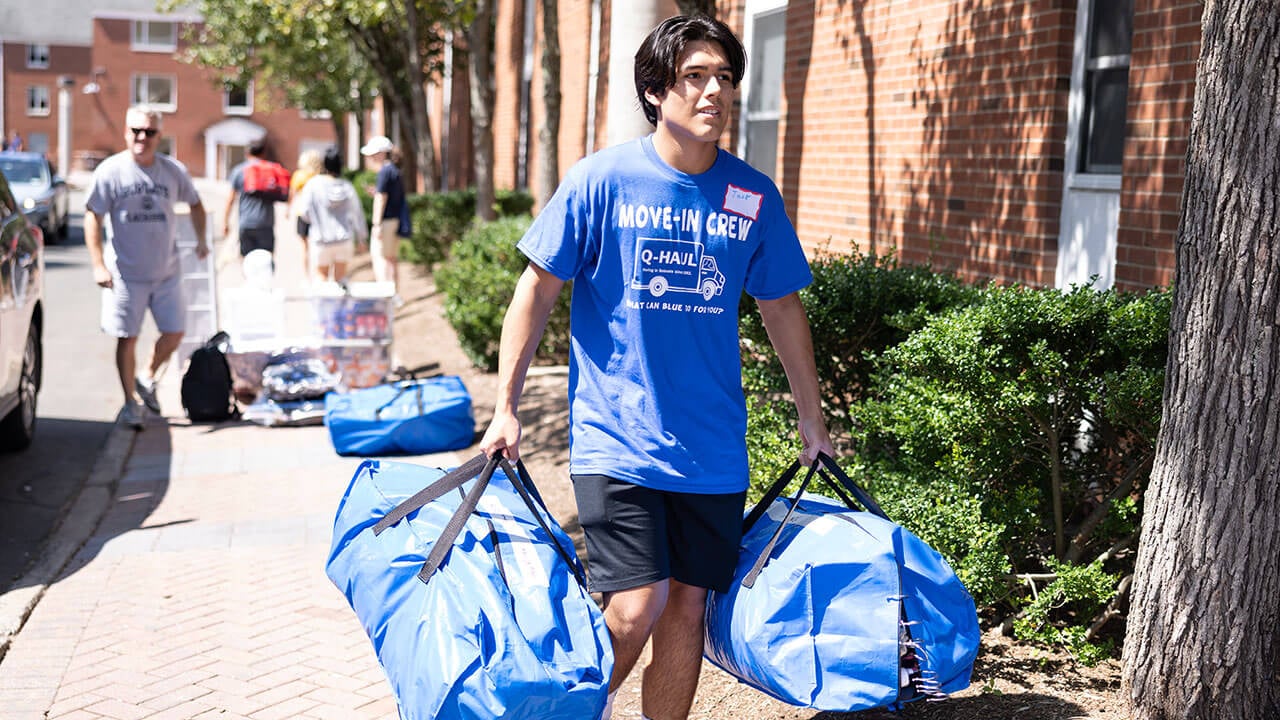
(147, 393)
(131, 415)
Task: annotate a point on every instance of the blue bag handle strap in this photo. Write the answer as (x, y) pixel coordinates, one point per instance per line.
(401, 387)
(444, 543)
(529, 493)
(750, 579)
(443, 485)
(523, 484)
(863, 497)
(775, 489)
(835, 478)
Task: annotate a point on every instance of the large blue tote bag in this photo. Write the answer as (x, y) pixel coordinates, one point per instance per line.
(410, 417)
(840, 609)
(471, 593)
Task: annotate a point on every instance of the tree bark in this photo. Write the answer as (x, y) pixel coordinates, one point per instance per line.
(697, 7)
(480, 71)
(420, 118)
(549, 133)
(1204, 629)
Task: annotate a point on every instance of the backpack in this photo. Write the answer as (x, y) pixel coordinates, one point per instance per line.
(267, 180)
(206, 385)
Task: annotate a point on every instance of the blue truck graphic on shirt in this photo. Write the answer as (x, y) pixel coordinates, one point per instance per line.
(664, 266)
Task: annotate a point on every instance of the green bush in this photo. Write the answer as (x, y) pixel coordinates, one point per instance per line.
(439, 219)
(478, 279)
(1040, 407)
(858, 305)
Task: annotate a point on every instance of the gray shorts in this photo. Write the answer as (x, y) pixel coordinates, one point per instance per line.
(124, 305)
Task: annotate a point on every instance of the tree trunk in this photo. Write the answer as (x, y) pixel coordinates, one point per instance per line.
(480, 69)
(697, 7)
(549, 133)
(423, 145)
(1204, 630)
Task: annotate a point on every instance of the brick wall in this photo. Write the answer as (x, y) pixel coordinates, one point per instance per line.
(68, 60)
(1162, 73)
(199, 104)
(931, 128)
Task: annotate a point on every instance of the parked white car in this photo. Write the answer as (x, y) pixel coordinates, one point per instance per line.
(21, 321)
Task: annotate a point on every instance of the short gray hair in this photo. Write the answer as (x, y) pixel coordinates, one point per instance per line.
(152, 114)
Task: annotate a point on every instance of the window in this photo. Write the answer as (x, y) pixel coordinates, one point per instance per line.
(155, 36)
(306, 114)
(763, 92)
(159, 91)
(1106, 87)
(37, 57)
(237, 98)
(37, 100)
(165, 146)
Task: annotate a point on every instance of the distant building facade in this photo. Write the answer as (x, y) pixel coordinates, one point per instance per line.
(67, 83)
(1031, 141)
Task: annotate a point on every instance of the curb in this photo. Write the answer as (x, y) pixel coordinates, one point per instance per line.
(78, 524)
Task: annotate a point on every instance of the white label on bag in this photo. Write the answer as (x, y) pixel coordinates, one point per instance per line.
(515, 542)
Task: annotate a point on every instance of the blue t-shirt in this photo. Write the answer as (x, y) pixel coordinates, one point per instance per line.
(659, 260)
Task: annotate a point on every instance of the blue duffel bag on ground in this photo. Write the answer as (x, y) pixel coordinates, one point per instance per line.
(410, 417)
(471, 593)
(837, 609)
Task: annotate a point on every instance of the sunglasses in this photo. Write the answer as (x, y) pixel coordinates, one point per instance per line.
(149, 132)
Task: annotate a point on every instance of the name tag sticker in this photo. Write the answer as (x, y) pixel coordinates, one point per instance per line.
(743, 202)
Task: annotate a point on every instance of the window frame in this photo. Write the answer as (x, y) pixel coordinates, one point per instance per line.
(1079, 108)
(33, 110)
(756, 9)
(242, 110)
(144, 42)
(134, 99)
(38, 56)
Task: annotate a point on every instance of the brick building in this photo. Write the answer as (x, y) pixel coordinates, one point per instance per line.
(71, 70)
(1031, 141)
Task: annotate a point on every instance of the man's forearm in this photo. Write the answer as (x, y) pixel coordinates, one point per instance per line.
(522, 327)
(788, 329)
(93, 238)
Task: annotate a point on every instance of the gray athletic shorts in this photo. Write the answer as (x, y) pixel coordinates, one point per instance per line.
(637, 535)
(124, 305)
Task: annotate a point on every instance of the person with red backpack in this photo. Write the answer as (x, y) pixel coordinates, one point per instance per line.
(258, 184)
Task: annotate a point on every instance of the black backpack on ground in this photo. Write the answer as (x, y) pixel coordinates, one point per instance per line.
(206, 385)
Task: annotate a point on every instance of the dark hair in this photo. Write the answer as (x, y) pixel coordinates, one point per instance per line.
(660, 52)
(333, 161)
(257, 147)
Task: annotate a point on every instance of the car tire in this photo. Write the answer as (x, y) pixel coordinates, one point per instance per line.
(17, 429)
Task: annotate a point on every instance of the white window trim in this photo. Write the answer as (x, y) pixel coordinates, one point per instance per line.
(754, 9)
(1073, 177)
(241, 110)
(37, 64)
(162, 107)
(137, 46)
(48, 102)
(306, 114)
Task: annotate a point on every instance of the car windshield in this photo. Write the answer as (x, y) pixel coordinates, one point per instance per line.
(23, 171)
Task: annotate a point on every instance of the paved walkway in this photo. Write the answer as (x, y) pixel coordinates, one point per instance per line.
(202, 594)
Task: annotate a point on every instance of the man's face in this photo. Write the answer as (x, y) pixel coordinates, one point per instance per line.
(141, 135)
(697, 106)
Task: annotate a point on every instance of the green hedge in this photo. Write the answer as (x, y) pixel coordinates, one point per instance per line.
(439, 219)
(478, 279)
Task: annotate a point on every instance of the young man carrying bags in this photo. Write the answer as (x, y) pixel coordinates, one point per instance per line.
(660, 237)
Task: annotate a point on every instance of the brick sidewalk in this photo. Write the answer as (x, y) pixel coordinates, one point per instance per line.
(202, 592)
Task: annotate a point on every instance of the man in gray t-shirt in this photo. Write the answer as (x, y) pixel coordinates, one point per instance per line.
(132, 198)
(257, 214)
